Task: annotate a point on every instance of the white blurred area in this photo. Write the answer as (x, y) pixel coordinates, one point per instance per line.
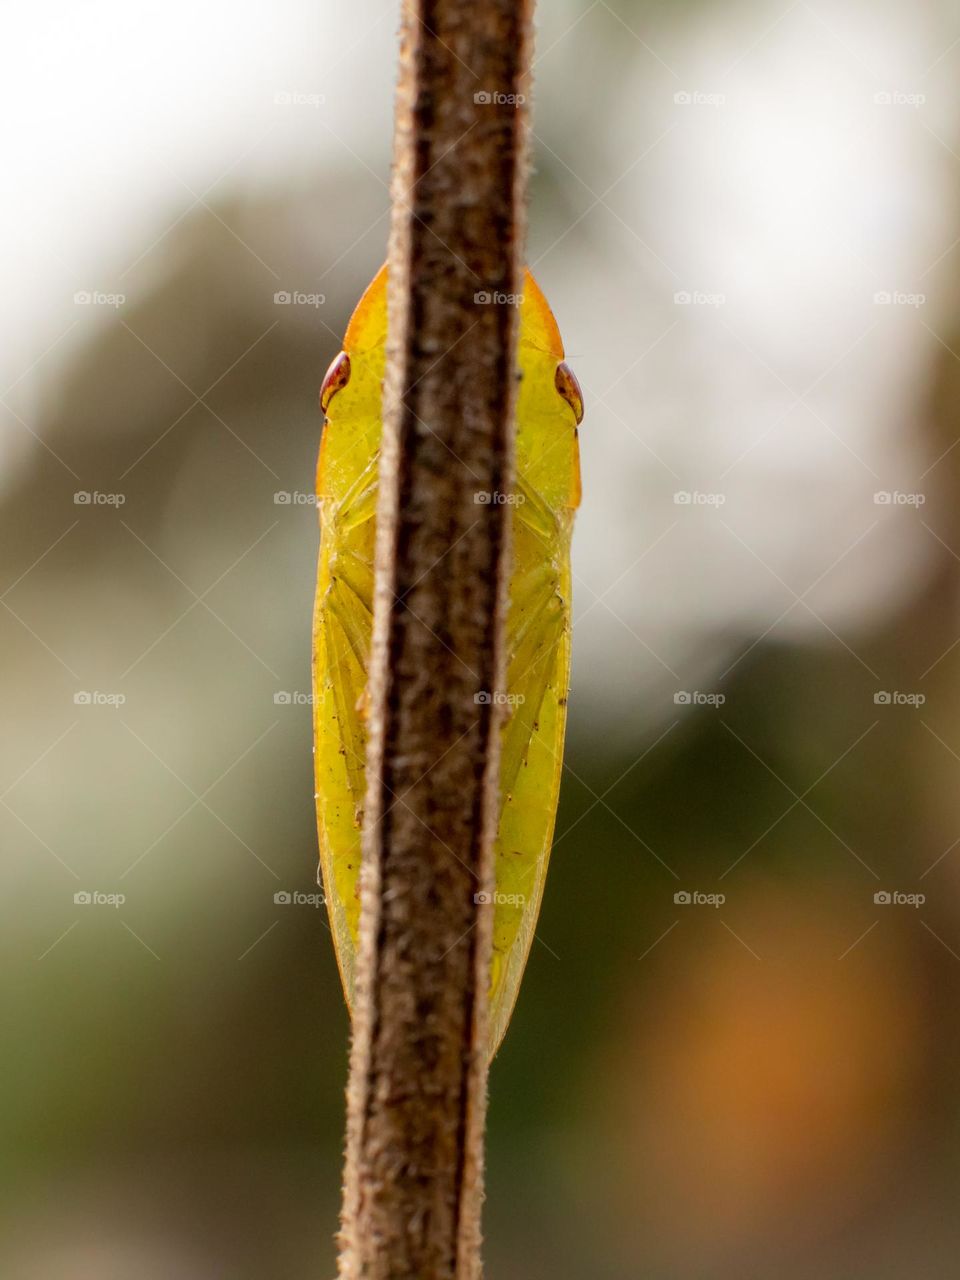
(784, 185)
(121, 117)
(794, 191)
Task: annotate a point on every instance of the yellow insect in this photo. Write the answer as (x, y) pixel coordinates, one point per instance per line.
(546, 495)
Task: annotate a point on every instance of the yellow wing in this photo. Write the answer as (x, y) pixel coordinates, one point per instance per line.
(346, 500)
(538, 643)
(538, 626)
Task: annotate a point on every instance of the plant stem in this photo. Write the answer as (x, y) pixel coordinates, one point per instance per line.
(418, 1068)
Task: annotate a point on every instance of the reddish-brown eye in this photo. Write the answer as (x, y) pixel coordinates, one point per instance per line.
(566, 383)
(335, 379)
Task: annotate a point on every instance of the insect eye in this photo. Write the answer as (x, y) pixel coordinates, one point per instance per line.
(566, 383)
(334, 380)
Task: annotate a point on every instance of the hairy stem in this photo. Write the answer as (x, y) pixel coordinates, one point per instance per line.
(418, 1070)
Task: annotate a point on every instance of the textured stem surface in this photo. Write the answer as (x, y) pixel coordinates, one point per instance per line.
(418, 1069)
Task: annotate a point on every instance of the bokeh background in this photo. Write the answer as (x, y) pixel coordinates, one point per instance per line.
(745, 217)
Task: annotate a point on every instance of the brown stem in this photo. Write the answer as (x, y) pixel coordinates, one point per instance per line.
(418, 1069)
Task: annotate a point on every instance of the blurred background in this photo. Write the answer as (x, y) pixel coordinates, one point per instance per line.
(735, 1052)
